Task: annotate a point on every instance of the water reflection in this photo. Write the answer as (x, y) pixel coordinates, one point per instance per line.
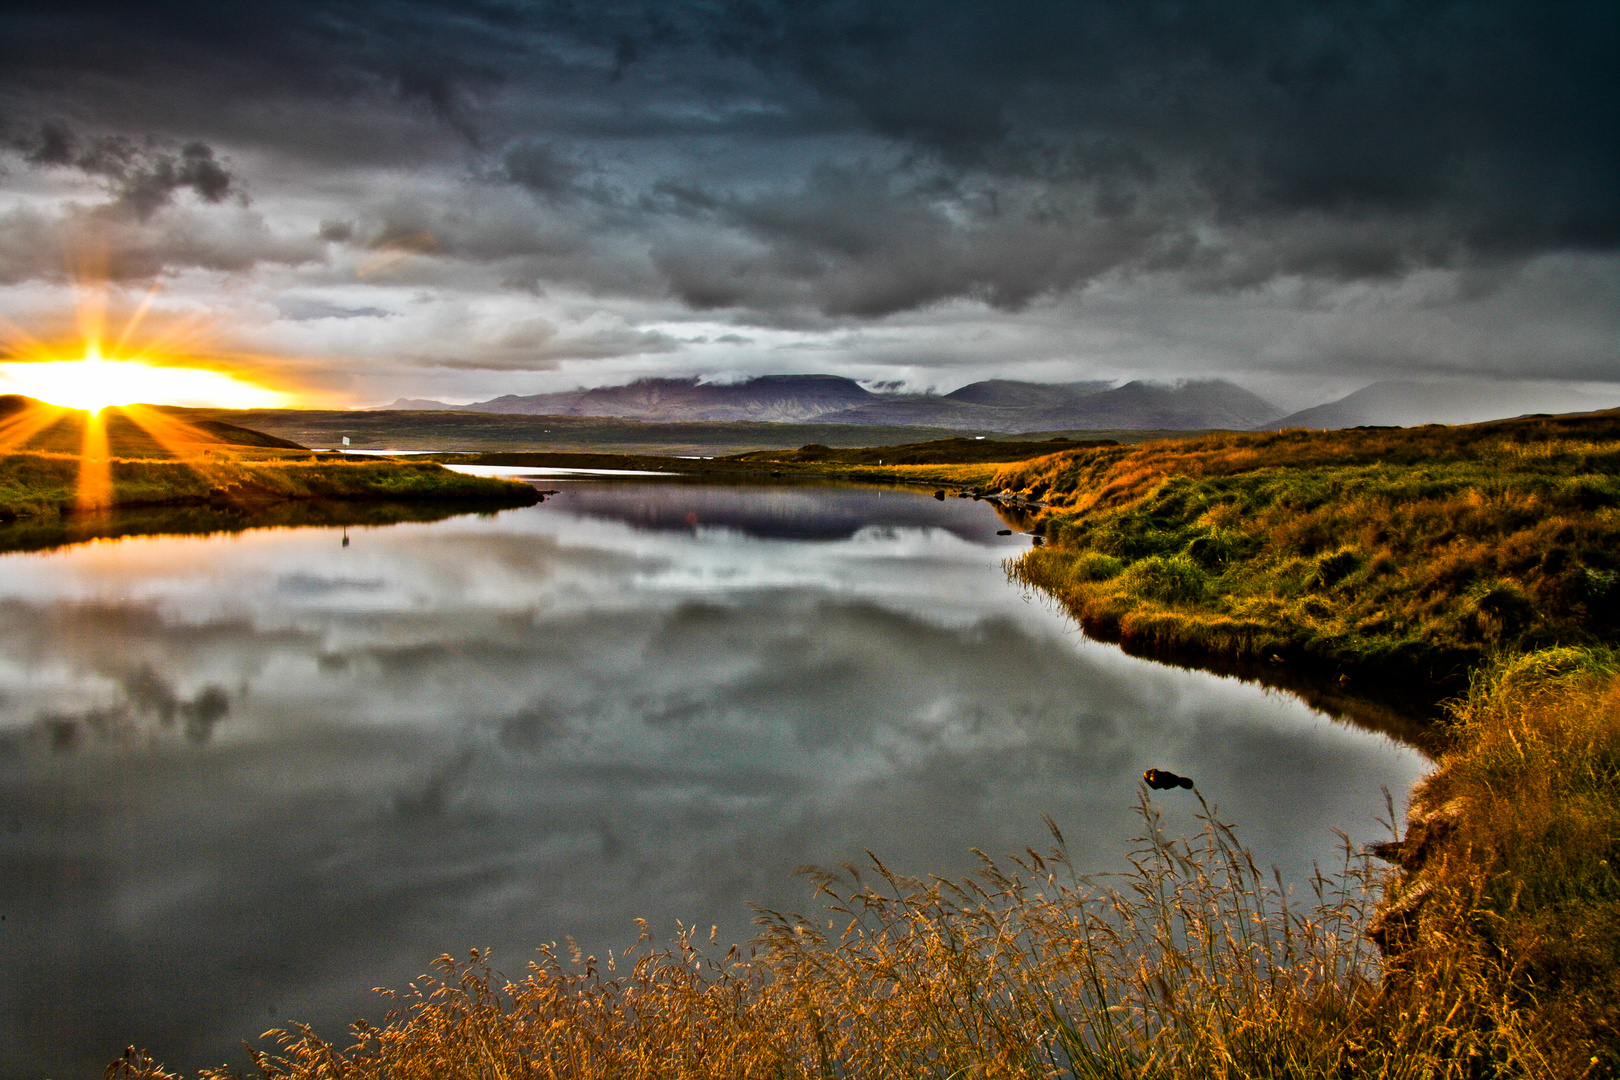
(298, 770)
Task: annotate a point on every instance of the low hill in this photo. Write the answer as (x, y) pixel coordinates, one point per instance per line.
(937, 452)
(1009, 393)
(136, 431)
(233, 435)
(462, 430)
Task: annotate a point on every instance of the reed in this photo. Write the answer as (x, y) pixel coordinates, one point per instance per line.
(1510, 859)
(1194, 963)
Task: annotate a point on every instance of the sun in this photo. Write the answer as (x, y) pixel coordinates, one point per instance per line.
(94, 382)
(144, 355)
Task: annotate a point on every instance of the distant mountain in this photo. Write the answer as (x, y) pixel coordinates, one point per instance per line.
(1006, 393)
(1211, 403)
(1408, 403)
(772, 397)
(992, 405)
(1073, 407)
(407, 404)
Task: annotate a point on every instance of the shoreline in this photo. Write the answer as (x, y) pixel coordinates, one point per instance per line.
(40, 487)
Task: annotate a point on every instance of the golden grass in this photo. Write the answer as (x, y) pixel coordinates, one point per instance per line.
(1409, 554)
(1512, 852)
(1194, 964)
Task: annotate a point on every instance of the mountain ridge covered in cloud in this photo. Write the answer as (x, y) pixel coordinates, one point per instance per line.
(1409, 403)
(992, 405)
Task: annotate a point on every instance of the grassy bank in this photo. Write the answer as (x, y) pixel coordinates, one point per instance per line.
(43, 533)
(47, 487)
(1511, 862)
(1499, 963)
(1408, 553)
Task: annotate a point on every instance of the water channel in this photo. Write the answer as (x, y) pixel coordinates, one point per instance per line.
(246, 777)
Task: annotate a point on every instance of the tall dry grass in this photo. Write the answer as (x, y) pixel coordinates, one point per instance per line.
(1512, 854)
(1194, 963)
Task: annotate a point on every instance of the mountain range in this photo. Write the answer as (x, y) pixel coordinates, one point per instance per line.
(1406, 403)
(1001, 405)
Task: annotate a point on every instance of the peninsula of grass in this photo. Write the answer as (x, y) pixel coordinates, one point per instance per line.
(45, 486)
(1406, 554)
(61, 464)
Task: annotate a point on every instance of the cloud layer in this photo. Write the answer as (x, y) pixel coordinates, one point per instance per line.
(1102, 188)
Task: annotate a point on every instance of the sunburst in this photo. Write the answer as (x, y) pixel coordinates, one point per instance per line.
(95, 370)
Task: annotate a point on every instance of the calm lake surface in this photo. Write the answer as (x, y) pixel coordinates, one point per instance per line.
(246, 778)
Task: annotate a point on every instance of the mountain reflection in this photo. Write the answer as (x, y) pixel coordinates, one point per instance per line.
(771, 512)
(328, 765)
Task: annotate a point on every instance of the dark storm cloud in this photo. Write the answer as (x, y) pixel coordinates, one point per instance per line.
(540, 168)
(128, 248)
(789, 162)
(1333, 106)
(853, 241)
(142, 178)
(528, 347)
(1341, 107)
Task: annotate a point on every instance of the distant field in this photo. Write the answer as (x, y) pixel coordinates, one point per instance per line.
(460, 431)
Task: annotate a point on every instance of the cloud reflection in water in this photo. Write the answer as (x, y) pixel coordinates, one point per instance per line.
(499, 731)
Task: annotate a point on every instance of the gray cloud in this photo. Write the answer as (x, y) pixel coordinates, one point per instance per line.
(142, 178)
(528, 348)
(812, 167)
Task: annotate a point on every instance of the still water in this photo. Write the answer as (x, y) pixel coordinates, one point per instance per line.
(246, 778)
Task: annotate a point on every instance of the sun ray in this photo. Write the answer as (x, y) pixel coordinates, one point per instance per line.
(134, 321)
(19, 342)
(95, 467)
(184, 441)
(33, 418)
(116, 355)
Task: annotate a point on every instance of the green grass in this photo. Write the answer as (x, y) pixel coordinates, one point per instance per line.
(1407, 553)
(44, 486)
(196, 519)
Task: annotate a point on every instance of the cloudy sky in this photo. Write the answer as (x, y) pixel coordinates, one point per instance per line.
(365, 200)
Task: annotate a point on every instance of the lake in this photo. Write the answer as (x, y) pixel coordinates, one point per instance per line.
(245, 778)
